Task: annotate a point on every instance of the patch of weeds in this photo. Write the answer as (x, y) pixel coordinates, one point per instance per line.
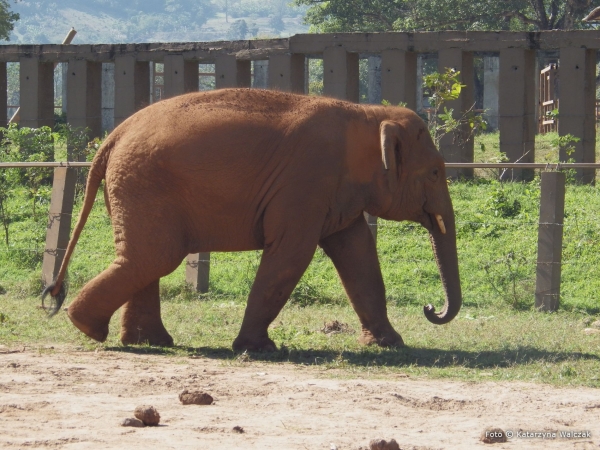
(305, 294)
(25, 259)
(289, 334)
(500, 203)
(477, 226)
(182, 291)
(509, 277)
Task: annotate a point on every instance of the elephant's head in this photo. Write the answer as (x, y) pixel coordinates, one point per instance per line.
(415, 180)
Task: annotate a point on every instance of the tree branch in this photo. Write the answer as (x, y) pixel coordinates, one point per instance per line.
(523, 18)
(540, 10)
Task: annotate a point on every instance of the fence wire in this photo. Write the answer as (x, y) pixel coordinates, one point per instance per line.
(510, 274)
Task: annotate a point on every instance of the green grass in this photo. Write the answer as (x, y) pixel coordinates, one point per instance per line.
(487, 147)
(497, 336)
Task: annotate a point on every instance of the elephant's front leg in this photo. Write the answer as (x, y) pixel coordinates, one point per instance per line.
(354, 255)
(281, 267)
(140, 319)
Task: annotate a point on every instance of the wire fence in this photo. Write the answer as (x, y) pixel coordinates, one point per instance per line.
(506, 270)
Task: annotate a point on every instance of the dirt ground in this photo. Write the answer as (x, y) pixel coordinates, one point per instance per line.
(63, 398)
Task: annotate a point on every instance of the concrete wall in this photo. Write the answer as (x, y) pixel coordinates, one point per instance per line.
(99, 97)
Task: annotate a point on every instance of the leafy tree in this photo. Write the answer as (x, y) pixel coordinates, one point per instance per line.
(238, 30)
(436, 15)
(276, 22)
(7, 19)
(30, 145)
(442, 88)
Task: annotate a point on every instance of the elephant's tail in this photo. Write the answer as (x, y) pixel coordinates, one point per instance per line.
(95, 176)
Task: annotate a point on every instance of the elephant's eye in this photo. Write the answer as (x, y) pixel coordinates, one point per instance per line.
(434, 175)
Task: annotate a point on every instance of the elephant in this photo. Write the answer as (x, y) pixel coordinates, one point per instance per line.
(246, 169)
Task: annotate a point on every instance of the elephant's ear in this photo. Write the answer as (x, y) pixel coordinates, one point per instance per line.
(390, 151)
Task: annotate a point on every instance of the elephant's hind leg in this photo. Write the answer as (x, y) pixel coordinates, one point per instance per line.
(140, 319)
(98, 300)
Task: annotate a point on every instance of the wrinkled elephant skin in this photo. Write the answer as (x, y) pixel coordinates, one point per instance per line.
(238, 169)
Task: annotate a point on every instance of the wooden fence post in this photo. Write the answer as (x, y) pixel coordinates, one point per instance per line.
(197, 271)
(550, 233)
(59, 222)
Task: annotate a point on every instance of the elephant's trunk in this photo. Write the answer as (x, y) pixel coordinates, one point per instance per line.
(444, 248)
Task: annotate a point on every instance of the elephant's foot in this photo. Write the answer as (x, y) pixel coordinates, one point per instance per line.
(254, 344)
(95, 328)
(140, 319)
(158, 338)
(386, 339)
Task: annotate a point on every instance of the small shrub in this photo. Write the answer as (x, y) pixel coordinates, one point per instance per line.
(501, 205)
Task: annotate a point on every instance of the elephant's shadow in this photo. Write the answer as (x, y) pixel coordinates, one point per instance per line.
(404, 357)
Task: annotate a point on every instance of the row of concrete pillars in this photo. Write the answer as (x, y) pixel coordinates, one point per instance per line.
(260, 80)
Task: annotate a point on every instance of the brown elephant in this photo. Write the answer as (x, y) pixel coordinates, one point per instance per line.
(239, 169)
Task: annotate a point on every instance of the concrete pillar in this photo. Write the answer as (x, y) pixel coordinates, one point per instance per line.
(181, 76)
(232, 72)
(3, 95)
(399, 77)
(516, 117)
(550, 233)
(37, 93)
(132, 86)
(491, 86)
(108, 97)
(260, 71)
(420, 64)
(59, 222)
(197, 271)
(374, 79)
(84, 96)
(577, 71)
(340, 74)
(65, 77)
(461, 149)
(286, 73)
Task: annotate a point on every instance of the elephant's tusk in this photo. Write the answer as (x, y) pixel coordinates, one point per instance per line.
(440, 222)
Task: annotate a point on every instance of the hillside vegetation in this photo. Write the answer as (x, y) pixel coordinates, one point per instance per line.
(112, 21)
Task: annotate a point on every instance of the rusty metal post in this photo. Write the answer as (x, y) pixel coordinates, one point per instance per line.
(59, 222)
(197, 271)
(550, 233)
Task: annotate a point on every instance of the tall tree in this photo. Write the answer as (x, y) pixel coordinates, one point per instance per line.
(436, 15)
(7, 19)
